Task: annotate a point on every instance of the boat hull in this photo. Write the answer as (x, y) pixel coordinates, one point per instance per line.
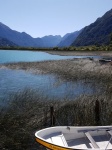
(75, 138)
(52, 146)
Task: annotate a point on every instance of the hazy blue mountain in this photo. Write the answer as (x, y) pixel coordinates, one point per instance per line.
(5, 42)
(24, 39)
(68, 39)
(97, 32)
(51, 41)
(21, 39)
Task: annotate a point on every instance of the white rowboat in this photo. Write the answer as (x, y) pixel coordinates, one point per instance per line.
(76, 138)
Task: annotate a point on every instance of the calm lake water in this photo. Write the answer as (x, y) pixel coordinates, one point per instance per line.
(7, 56)
(12, 81)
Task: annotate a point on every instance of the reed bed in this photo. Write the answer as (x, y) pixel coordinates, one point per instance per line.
(86, 111)
(29, 111)
(25, 113)
(69, 69)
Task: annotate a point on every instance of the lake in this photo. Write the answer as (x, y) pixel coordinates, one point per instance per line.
(7, 56)
(12, 81)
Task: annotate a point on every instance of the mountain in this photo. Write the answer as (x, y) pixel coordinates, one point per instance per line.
(5, 42)
(68, 39)
(21, 39)
(24, 39)
(97, 32)
(51, 41)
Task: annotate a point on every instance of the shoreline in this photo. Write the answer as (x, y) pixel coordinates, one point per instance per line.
(76, 68)
(81, 53)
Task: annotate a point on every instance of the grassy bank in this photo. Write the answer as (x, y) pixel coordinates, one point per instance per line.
(74, 69)
(70, 48)
(80, 53)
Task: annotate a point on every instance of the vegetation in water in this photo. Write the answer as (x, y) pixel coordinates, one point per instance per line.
(28, 111)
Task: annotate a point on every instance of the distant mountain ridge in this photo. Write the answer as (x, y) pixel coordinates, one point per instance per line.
(69, 38)
(24, 39)
(21, 39)
(97, 32)
(51, 41)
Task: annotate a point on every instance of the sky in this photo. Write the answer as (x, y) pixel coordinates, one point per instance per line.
(51, 17)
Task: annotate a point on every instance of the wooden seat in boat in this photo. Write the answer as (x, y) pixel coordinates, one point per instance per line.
(58, 139)
(88, 135)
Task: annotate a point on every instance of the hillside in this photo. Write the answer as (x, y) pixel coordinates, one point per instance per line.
(68, 39)
(4, 42)
(97, 32)
(24, 39)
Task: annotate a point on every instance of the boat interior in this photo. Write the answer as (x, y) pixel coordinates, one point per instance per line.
(82, 139)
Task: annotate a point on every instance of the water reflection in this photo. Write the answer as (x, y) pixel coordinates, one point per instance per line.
(12, 81)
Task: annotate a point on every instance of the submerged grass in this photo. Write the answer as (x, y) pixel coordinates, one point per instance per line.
(29, 111)
(69, 69)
